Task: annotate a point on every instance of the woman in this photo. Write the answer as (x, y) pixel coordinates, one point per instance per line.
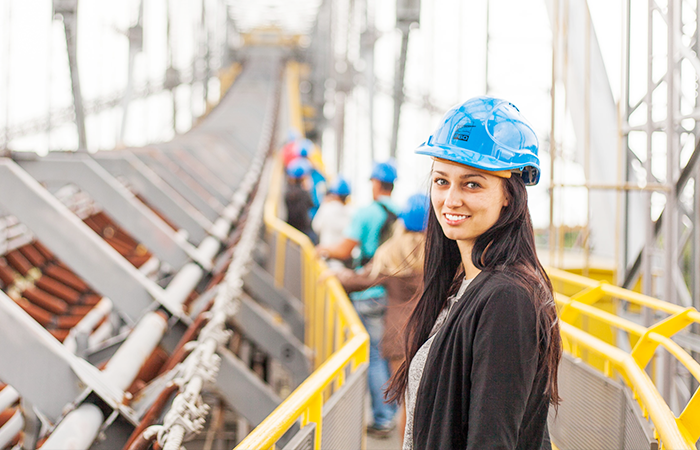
(482, 345)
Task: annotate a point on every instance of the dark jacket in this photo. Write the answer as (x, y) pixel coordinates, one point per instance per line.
(482, 387)
(298, 202)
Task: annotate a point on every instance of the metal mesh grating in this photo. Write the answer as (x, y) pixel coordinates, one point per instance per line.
(293, 272)
(638, 433)
(591, 414)
(343, 414)
(303, 440)
(596, 412)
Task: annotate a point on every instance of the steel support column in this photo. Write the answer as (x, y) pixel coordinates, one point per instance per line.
(68, 9)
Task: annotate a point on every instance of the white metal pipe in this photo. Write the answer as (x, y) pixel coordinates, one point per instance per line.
(77, 430)
(210, 245)
(150, 267)
(88, 323)
(102, 332)
(8, 396)
(11, 428)
(183, 283)
(122, 368)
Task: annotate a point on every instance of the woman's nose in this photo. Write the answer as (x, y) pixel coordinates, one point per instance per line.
(453, 198)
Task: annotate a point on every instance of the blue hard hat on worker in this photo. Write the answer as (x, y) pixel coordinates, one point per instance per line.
(384, 172)
(340, 187)
(305, 148)
(489, 134)
(415, 214)
(299, 168)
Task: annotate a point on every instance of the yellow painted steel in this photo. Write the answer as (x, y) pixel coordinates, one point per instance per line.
(294, 96)
(333, 329)
(674, 432)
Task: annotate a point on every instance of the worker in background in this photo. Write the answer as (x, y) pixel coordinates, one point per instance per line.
(369, 226)
(298, 199)
(290, 149)
(318, 188)
(332, 217)
(398, 266)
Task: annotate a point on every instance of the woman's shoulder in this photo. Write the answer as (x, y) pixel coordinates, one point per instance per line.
(505, 290)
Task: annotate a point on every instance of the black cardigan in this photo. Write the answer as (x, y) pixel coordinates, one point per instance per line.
(481, 387)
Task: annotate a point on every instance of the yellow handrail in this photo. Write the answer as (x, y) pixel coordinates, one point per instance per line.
(680, 432)
(333, 329)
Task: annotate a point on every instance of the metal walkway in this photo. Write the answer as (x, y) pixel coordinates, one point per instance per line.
(155, 295)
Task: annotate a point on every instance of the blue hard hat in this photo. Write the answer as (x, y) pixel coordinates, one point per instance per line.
(339, 187)
(489, 134)
(384, 172)
(415, 214)
(298, 168)
(305, 147)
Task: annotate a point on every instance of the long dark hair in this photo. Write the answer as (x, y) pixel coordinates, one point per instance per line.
(508, 246)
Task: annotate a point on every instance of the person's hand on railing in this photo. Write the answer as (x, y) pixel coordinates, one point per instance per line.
(322, 252)
(326, 274)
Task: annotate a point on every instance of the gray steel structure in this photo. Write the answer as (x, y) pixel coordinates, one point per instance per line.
(659, 135)
(202, 183)
(639, 157)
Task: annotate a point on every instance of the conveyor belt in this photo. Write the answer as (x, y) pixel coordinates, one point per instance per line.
(119, 256)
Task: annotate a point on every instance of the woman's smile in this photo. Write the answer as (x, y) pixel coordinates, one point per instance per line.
(455, 219)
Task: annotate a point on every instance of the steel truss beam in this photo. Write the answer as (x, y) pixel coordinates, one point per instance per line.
(229, 163)
(200, 172)
(261, 286)
(244, 390)
(180, 186)
(160, 157)
(53, 377)
(275, 339)
(122, 206)
(76, 244)
(157, 192)
(666, 115)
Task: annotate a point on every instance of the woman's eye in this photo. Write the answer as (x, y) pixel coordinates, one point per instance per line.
(440, 181)
(472, 185)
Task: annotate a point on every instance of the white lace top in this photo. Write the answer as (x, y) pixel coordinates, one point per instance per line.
(415, 370)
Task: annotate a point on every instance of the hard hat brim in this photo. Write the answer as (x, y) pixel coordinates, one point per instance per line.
(480, 161)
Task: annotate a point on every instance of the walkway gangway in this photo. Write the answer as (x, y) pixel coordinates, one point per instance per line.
(609, 400)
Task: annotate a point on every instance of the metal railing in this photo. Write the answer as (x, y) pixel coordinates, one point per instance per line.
(673, 432)
(333, 329)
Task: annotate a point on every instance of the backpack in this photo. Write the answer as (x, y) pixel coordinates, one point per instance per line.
(384, 231)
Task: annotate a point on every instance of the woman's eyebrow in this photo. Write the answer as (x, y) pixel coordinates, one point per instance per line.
(464, 176)
(471, 175)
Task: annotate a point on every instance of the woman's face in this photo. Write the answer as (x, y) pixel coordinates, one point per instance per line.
(467, 202)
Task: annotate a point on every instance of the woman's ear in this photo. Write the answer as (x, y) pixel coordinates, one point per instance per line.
(506, 196)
